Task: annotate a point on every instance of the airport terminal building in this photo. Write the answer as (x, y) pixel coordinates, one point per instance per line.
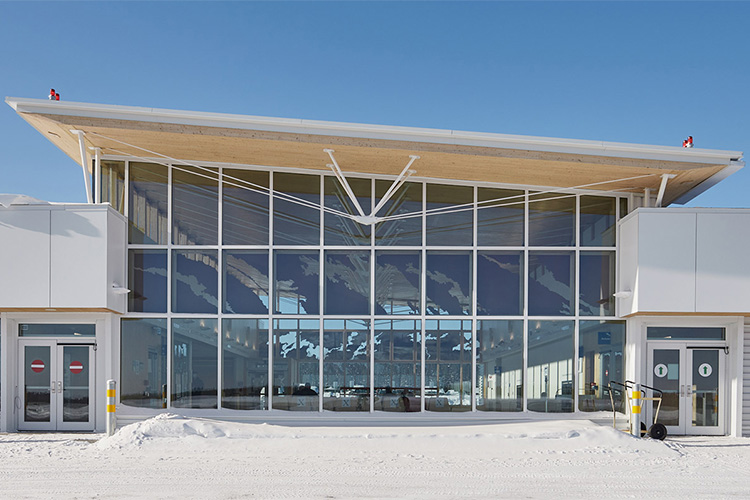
(254, 268)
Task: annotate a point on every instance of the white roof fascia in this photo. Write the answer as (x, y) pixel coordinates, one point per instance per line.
(364, 131)
(704, 186)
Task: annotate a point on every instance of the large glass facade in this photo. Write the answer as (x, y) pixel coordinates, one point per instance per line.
(254, 289)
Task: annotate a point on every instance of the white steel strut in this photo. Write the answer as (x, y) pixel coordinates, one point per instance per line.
(663, 187)
(84, 162)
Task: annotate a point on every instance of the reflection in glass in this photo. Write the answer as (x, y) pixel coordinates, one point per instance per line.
(448, 229)
(295, 224)
(448, 285)
(397, 282)
(112, 184)
(245, 281)
(296, 369)
(244, 207)
(552, 219)
(597, 284)
(398, 376)
(346, 365)
(297, 287)
(623, 207)
(406, 200)
(347, 284)
(76, 405)
(143, 362)
(343, 230)
(685, 333)
(705, 393)
(194, 363)
(549, 375)
(148, 203)
(244, 364)
(599, 362)
(56, 330)
(500, 283)
(36, 381)
(195, 205)
(598, 221)
(499, 365)
(666, 369)
(551, 291)
(447, 365)
(147, 281)
(500, 223)
(194, 281)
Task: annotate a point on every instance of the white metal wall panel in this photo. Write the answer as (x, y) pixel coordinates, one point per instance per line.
(628, 265)
(24, 257)
(666, 261)
(722, 267)
(746, 382)
(116, 260)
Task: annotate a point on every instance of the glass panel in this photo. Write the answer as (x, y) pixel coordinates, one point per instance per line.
(597, 221)
(551, 291)
(499, 365)
(500, 283)
(549, 374)
(343, 230)
(195, 281)
(398, 376)
(148, 204)
(244, 207)
(56, 330)
(448, 286)
(143, 363)
(36, 380)
(296, 369)
(245, 281)
(706, 388)
(599, 362)
(500, 222)
(623, 207)
(552, 219)
(75, 393)
(406, 200)
(597, 284)
(147, 281)
(297, 285)
(346, 365)
(685, 333)
(294, 224)
(667, 378)
(397, 282)
(454, 228)
(112, 184)
(244, 384)
(447, 365)
(195, 205)
(194, 363)
(347, 282)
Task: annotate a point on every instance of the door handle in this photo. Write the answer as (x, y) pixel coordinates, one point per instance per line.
(52, 387)
(682, 390)
(59, 386)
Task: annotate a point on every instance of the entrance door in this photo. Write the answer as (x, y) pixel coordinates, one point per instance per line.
(56, 386)
(692, 379)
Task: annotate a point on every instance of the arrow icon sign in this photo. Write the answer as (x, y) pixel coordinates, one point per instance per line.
(661, 370)
(705, 370)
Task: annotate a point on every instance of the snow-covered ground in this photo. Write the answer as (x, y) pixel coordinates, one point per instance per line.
(175, 457)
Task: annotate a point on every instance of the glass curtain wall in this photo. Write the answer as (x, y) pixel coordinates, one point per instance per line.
(249, 293)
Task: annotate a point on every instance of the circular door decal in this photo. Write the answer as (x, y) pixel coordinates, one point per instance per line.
(661, 370)
(705, 370)
(76, 367)
(37, 366)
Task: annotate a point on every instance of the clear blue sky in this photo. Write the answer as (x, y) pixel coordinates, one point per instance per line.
(649, 73)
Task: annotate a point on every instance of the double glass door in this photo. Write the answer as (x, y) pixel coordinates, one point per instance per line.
(692, 379)
(56, 386)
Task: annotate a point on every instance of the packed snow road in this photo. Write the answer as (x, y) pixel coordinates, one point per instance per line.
(175, 457)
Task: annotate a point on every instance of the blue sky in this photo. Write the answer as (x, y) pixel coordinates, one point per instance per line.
(649, 73)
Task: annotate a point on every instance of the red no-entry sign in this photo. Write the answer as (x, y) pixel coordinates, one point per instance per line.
(76, 367)
(37, 365)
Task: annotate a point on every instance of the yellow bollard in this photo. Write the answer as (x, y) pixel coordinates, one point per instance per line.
(111, 401)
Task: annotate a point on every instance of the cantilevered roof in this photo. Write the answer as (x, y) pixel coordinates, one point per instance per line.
(375, 149)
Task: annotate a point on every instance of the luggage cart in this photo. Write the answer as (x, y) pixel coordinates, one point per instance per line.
(657, 430)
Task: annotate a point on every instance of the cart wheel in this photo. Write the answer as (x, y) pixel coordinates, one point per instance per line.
(658, 431)
(643, 429)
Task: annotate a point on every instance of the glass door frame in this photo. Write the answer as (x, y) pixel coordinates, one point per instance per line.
(686, 350)
(56, 372)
